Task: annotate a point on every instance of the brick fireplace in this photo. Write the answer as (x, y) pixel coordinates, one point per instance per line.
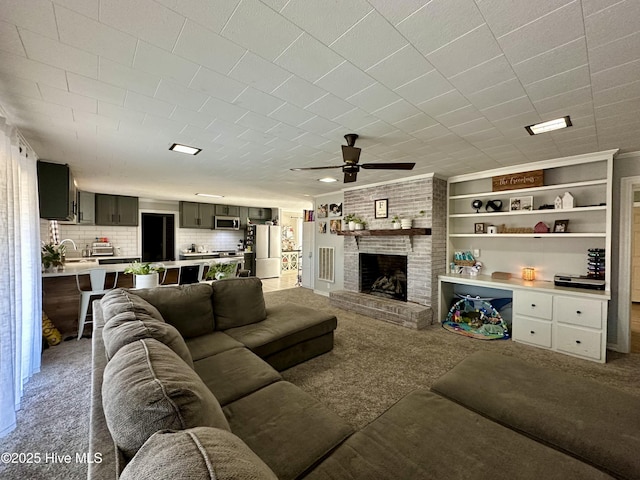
(384, 275)
(425, 254)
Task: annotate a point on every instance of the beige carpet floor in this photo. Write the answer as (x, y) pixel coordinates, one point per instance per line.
(372, 365)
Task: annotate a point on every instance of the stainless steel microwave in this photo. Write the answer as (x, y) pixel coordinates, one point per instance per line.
(227, 223)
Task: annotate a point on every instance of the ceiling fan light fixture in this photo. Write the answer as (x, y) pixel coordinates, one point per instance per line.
(327, 180)
(549, 126)
(178, 147)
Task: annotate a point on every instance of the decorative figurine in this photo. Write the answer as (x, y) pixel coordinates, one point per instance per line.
(477, 204)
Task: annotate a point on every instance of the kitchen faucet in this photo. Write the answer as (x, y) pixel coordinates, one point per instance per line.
(72, 243)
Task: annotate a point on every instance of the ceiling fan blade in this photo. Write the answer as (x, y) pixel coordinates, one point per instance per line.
(388, 166)
(350, 177)
(316, 168)
(351, 154)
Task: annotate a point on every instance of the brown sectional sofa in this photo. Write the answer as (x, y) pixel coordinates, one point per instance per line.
(184, 386)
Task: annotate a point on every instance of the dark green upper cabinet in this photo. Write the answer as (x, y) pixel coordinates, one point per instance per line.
(56, 191)
(87, 208)
(197, 215)
(116, 210)
(227, 210)
(259, 215)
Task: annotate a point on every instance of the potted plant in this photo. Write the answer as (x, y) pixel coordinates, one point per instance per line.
(406, 222)
(349, 222)
(52, 257)
(359, 223)
(218, 271)
(146, 274)
(395, 222)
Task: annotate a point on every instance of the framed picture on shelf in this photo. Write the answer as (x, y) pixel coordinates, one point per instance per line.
(479, 228)
(381, 208)
(520, 203)
(561, 226)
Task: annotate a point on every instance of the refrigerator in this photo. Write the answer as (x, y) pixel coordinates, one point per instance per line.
(267, 250)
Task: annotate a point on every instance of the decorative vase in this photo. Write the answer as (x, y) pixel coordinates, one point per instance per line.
(146, 281)
(396, 225)
(358, 226)
(406, 223)
(352, 225)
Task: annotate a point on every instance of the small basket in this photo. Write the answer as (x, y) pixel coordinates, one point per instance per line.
(464, 263)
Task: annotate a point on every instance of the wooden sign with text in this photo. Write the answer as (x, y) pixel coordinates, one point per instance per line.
(513, 181)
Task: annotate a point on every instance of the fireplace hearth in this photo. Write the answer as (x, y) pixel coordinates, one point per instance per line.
(384, 275)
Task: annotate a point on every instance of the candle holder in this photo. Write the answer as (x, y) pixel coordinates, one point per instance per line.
(528, 273)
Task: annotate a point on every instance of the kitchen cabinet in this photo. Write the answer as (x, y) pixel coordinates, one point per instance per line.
(228, 210)
(197, 215)
(116, 210)
(259, 215)
(56, 191)
(86, 208)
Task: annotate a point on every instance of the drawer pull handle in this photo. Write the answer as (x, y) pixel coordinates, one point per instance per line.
(578, 312)
(578, 342)
(533, 332)
(533, 305)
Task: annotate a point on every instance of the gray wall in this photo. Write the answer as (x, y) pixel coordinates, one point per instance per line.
(329, 240)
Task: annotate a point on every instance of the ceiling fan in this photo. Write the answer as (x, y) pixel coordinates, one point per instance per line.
(351, 167)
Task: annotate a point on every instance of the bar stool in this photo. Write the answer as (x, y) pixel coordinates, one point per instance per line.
(98, 277)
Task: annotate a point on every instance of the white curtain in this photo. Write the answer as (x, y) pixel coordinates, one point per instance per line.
(20, 277)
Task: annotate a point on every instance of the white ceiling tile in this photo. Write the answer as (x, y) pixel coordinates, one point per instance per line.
(10, 39)
(482, 135)
(286, 131)
(157, 61)
(320, 125)
(162, 124)
(86, 118)
(503, 19)
(616, 94)
(472, 49)
(326, 24)
(557, 28)
(94, 88)
(396, 112)
(484, 75)
(404, 66)
(355, 119)
(31, 70)
(56, 54)
(562, 82)
(299, 92)
(444, 103)
(508, 109)
(34, 15)
(440, 22)
(557, 60)
(498, 94)
(226, 129)
(462, 115)
(429, 133)
(145, 19)
(223, 110)
(618, 52)
(259, 73)
(40, 107)
(425, 88)
(517, 122)
(308, 58)
(345, 80)
(593, 6)
(330, 107)
(217, 85)
(126, 77)
(95, 37)
(374, 130)
(565, 100)
(395, 11)
(12, 85)
(291, 114)
(110, 110)
(212, 14)
(172, 92)
(63, 97)
(616, 76)
(257, 122)
(207, 48)
(88, 8)
(417, 122)
(617, 21)
(142, 103)
(257, 101)
(256, 27)
(370, 41)
(373, 98)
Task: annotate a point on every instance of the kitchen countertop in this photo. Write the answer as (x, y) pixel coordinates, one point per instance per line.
(76, 267)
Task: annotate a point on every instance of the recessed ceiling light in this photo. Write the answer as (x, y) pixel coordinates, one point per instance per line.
(549, 126)
(209, 195)
(177, 147)
(327, 180)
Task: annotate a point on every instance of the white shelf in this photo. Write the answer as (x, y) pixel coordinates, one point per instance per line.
(520, 191)
(530, 212)
(531, 235)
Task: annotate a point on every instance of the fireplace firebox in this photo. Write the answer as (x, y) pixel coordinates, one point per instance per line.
(384, 275)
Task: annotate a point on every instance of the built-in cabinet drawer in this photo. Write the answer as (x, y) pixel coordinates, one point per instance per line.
(579, 341)
(533, 304)
(578, 311)
(529, 330)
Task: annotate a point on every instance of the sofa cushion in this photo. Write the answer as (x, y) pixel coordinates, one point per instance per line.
(286, 325)
(288, 429)
(591, 421)
(238, 301)
(201, 452)
(120, 300)
(211, 344)
(186, 307)
(127, 327)
(426, 436)
(235, 373)
(147, 388)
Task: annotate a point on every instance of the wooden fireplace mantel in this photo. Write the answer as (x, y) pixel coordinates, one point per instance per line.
(388, 232)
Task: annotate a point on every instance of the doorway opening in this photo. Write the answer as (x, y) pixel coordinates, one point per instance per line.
(158, 237)
(634, 317)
